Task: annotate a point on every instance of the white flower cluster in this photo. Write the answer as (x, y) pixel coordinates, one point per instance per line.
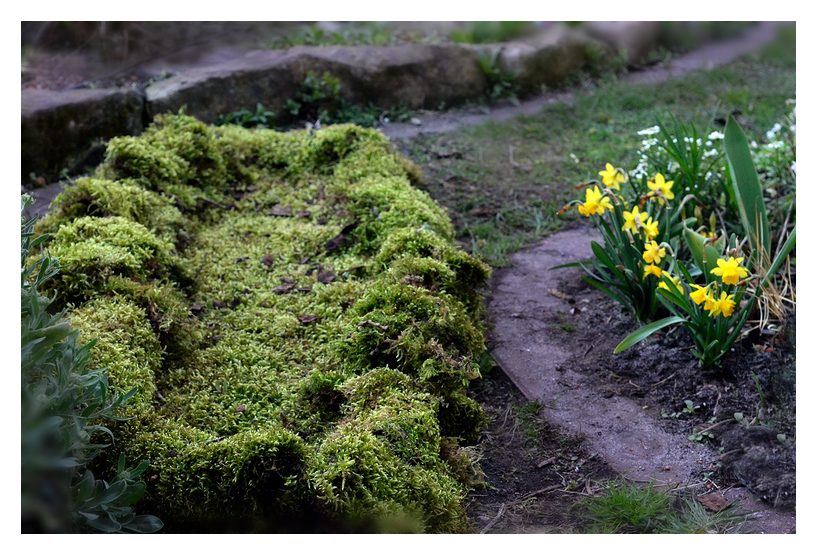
(650, 130)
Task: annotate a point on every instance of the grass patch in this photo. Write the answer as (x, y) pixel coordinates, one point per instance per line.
(633, 509)
(503, 183)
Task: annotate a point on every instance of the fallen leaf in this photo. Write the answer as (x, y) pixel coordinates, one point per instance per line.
(336, 241)
(559, 295)
(235, 302)
(304, 289)
(303, 213)
(267, 260)
(219, 304)
(197, 309)
(714, 502)
(240, 408)
(307, 318)
(280, 211)
(326, 277)
(284, 288)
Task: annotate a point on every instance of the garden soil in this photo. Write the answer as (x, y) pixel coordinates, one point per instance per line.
(566, 415)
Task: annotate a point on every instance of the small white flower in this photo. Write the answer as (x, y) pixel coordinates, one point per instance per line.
(793, 128)
(708, 143)
(754, 144)
(794, 166)
(708, 176)
(715, 135)
(650, 131)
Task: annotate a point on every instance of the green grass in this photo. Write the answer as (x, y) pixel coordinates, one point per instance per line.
(500, 203)
(630, 508)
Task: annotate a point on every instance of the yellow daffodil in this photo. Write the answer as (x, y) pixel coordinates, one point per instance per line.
(702, 294)
(652, 252)
(725, 305)
(652, 269)
(650, 228)
(612, 177)
(594, 203)
(633, 220)
(676, 282)
(664, 186)
(730, 270)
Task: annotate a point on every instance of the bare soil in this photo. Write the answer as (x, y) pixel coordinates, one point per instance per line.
(579, 414)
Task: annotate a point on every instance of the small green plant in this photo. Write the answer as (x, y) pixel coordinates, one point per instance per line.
(700, 436)
(481, 32)
(500, 84)
(688, 409)
(245, 118)
(630, 508)
(63, 404)
(564, 325)
(320, 100)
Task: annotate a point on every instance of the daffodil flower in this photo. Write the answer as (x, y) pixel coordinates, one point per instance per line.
(632, 220)
(652, 269)
(665, 187)
(650, 228)
(701, 295)
(653, 253)
(730, 270)
(612, 177)
(725, 305)
(594, 203)
(676, 282)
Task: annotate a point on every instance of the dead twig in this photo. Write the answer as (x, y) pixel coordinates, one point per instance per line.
(375, 324)
(495, 519)
(541, 491)
(656, 384)
(713, 426)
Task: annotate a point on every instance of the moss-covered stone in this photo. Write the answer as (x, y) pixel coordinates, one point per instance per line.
(299, 323)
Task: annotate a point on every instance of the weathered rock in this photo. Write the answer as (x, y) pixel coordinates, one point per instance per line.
(420, 76)
(549, 58)
(68, 129)
(635, 40)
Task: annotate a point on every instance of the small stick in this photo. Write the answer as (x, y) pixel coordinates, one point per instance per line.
(375, 324)
(495, 520)
(656, 384)
(714, 425)
(537, 492)
(214, 203)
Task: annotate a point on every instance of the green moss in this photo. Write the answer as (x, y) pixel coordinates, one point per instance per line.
(311, 329)
(93, 249)
(126, 346)
(102, 198)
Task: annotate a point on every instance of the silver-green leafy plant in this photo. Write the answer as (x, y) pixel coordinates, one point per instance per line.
(63, 405)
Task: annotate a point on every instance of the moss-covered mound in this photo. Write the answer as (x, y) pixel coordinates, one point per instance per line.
(297, 320)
